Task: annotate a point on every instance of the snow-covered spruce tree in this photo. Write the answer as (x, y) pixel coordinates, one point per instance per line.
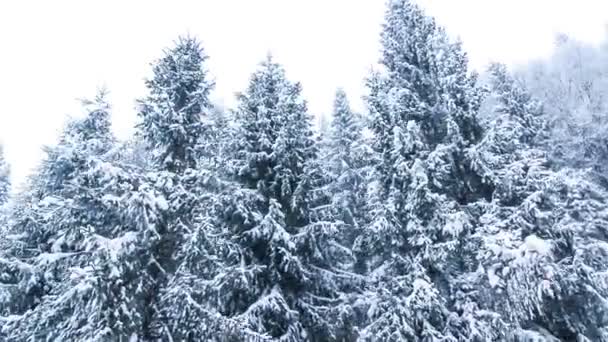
(5, 189)
(543, 251)
(215, 148)
(71, 255)
(178, 126)
(23, 286)
(185, 300)
(517, 104)
(323, 123)
(172, 114)
(5, 181)
(280, 278)
(423, 108)
(348, 163)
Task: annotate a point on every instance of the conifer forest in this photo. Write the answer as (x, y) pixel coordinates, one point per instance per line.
(457, 207)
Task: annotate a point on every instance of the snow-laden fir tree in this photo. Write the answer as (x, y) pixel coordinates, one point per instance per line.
(517, 104)
(5, 181)
(348, 162)
(172, 114)
(180, 128)
(323, 122)
(5, 190)
(214, 148)
(279, 277)
(186, 312)
(72, 258)
(543, 250)
(423, 106)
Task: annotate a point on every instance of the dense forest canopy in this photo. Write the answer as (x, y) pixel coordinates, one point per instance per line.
(451, 209)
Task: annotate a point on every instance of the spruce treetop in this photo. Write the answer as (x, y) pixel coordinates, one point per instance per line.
(5, 183)
(174, 112)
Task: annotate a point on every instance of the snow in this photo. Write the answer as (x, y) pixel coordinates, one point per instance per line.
(160, 202)
(492, 277)
(57, 244)
(22, 266)
(542, 335)
(16, 237)
(110, 198)
(533, 243)
(49, 200)
(115, 247)
(456, 224)
(50, 258)
(422, 294)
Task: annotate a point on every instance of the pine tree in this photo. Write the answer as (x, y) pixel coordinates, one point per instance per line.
(5, 189)
(72, 247)
(348, 163)
(516, 102)
(5, 182)
(542, 234)
(172, 114)
(187, 314)
(423, 111)
(179, 126)
(279, 277)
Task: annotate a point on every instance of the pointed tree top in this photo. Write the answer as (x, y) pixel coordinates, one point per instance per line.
(512, 98)
(340, 96)
(178, 97)
(5, 172)
(98, 113)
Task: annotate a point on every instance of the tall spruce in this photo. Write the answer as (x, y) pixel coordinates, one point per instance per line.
(423, 109)
(279, 279)
(71, 243)
(186, 301)
(5, 181)
(172, 114)
(348, 163)
(543, 238)
(175, 120)
(5, 189)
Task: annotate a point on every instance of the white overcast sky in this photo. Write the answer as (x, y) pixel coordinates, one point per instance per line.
(52, 52)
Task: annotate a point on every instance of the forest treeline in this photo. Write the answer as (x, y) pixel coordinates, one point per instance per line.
(455, 208)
